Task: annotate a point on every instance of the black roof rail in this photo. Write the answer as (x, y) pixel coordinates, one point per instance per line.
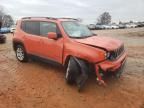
(69, 18)
(26, 17)
(38, 17)
(51, 18)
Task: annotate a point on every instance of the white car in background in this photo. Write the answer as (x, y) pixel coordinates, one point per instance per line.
(110, 26)
(106, 26)
(12, 29)
(122, 26)
(99, 27)
(114, 26)
(91, 26)
(131, 25)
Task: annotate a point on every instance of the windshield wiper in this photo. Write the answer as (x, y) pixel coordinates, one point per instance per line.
(90, 36)
(76, 37)
(81, 37)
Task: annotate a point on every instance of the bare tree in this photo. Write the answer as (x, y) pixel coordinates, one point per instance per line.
(1, 15)
(104, 18)
(5, 20)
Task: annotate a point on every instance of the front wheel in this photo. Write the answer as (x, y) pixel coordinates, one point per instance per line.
(21, 54)
(71, 71)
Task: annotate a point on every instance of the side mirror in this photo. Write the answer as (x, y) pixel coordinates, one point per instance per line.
(94, 34)
(52, 35)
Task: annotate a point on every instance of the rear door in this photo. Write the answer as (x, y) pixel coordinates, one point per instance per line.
(32, 39)
(51, 49)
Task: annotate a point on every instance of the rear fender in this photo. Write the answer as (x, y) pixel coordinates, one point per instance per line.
(17, 42)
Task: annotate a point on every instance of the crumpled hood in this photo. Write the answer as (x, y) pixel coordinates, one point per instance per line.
(101, 42)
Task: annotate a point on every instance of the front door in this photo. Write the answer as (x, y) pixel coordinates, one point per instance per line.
(51, 49)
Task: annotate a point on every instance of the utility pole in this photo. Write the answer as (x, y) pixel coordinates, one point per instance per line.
(3, 20)
(0, 22)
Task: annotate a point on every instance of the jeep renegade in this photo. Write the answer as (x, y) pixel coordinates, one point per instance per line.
(70, 43)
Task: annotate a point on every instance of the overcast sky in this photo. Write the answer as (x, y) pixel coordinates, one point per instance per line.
(88, 10)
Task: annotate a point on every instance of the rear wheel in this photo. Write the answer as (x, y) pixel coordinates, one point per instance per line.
(21, 53)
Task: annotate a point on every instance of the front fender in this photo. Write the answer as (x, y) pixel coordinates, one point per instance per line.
(84, 52)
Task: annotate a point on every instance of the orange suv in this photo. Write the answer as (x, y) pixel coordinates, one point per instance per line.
(66, 41)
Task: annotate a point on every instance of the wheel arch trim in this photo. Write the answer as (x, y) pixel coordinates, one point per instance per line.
(16, 42)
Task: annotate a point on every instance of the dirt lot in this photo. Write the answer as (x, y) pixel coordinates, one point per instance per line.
(41, 85)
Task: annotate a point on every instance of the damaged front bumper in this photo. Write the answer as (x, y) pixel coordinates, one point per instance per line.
(114, 67)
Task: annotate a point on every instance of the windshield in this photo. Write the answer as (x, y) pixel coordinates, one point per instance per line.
(76, 30)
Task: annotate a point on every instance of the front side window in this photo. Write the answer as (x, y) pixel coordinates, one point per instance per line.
(46, 27)
(76, 30)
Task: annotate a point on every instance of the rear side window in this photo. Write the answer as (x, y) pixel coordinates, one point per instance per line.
(31, 27)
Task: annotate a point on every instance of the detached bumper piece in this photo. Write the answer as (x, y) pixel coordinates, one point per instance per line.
(99, 76)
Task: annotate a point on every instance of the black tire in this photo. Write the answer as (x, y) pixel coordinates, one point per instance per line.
(21, 54)
(72, 71)
(83, 75)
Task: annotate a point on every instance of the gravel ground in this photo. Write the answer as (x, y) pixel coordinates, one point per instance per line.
(40, 85)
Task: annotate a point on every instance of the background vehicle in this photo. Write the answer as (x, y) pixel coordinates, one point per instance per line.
(140, 24)
(109, 26)
(12, 29)
(71, 44)
(2, 38)
(114, 26)
(91, 26)
(106, 26)
(99, 27)
(131, 25)
(5, 30)
(122, 26)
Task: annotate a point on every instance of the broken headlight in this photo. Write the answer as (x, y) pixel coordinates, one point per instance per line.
(107, 55)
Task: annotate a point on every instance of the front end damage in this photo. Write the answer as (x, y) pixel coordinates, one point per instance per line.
(110, 65)
(101, 70)
(114, 68)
